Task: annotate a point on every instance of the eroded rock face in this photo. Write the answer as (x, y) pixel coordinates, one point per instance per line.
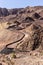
(21, 30)
(33, 40)
(36, 15)
(26, 28)
(24, 40)
(4, 12)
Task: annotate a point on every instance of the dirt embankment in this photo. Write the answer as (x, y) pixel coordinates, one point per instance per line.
(21, 36)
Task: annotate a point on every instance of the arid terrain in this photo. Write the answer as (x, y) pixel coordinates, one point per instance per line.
(21, 36)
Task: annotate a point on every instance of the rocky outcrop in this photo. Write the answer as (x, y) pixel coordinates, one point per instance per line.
(23, 28)
(21, 36)
(3, 12)
(6, 12)
(24, 40)
(36, 16)
(33, 40)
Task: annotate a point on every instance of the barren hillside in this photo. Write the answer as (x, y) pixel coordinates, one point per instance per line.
(21, 36)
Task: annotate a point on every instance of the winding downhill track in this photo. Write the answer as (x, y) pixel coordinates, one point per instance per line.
(10, 37)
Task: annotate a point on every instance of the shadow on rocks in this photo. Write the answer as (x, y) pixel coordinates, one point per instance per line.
(7, 50)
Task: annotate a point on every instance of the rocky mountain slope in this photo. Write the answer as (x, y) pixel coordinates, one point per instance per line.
(21, 36)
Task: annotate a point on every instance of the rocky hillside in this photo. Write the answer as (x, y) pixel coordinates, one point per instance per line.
(21, 33)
